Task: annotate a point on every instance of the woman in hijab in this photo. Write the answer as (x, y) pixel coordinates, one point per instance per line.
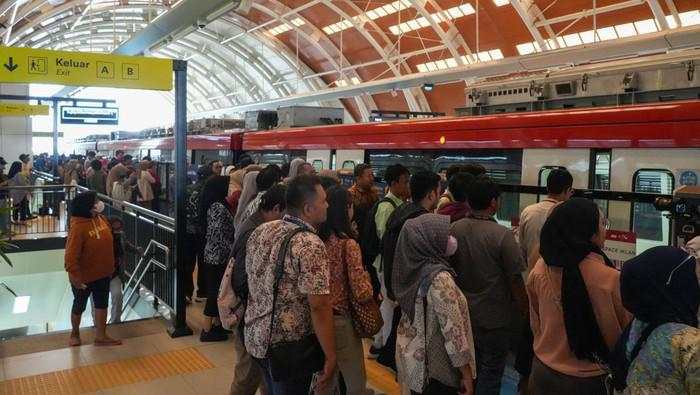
(236, 183)
(576, 312)
(266, 178)
(294, 167)
(434, 345)
(248, 192)
(659, 353)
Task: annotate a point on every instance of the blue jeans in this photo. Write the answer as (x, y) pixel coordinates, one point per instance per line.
(297, 386)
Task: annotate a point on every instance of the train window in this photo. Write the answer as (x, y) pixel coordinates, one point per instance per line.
(647, 222)
(348, 165)
(317, 164)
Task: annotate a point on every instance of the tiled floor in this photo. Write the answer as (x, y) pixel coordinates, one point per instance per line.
(209, 381)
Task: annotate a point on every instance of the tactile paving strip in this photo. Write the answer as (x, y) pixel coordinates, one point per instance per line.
(111, 374)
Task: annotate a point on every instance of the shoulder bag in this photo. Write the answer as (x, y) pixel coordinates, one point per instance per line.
(366, 317)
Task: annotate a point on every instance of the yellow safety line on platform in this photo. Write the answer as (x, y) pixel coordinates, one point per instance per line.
(111, 374)
(381, 379)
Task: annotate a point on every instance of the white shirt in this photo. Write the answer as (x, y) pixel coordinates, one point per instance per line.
(531, 221)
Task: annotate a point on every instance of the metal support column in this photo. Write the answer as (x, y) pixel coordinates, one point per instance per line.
(180, 327)
(55, 137)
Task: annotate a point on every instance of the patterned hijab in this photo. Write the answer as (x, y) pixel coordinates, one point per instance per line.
(658, 286)
(420, 256)
(248, 193)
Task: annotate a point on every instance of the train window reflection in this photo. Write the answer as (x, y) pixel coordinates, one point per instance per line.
(348, 165)
(647, 222)
(317, 164)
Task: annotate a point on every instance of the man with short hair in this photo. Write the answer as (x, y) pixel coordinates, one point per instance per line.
(559, 188)
(488, 264)
(302, 305)
(118, 158)
(396, 178)
(364, 195)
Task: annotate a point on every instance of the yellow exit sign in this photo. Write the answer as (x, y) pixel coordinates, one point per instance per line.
(22, 110)
(26, 65)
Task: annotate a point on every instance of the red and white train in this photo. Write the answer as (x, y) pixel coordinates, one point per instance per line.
(638, 148)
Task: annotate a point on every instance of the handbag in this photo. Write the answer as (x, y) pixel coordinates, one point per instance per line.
(298, 358)
(366, 317)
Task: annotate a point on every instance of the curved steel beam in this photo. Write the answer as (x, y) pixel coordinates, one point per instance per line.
(312, 39)
(409, 94)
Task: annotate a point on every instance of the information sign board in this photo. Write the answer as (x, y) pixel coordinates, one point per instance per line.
(27, 65)
(89, 115)
(22, 110)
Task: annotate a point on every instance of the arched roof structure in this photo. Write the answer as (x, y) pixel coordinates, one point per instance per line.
(269, 49)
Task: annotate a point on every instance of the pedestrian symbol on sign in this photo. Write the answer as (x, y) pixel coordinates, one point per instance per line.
(105, 70)
(37, 65)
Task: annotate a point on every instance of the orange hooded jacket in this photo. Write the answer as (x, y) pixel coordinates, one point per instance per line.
(89, 250)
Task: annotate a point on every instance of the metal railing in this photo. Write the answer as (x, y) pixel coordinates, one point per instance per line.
(34, 210)
(146, 264)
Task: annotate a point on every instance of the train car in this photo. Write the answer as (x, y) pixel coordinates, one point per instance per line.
(638, 148)
(200, 148)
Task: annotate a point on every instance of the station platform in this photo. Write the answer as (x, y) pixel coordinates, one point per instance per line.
(148, 362)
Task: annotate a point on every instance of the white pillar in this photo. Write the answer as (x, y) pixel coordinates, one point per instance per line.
(15, 132)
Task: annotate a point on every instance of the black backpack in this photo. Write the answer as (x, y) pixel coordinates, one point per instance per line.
(370, 244)
(391, 238)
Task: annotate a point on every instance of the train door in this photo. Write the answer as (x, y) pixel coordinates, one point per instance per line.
(319, 159)
(653, 171)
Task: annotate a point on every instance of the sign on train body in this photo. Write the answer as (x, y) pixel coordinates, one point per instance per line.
(620, 246)
(41, 66)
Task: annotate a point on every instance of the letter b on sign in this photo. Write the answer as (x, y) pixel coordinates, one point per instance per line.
(130, 71)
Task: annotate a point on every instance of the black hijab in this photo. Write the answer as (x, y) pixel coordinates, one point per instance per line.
(658, 286)
(564, 242)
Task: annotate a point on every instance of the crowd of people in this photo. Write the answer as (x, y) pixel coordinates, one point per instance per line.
(298, 270)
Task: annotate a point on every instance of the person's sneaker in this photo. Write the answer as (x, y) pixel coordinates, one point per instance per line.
(373, 352)
(212, 336)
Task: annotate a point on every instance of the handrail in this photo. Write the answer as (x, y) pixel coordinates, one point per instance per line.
(152, 245)
(45, 175)
(45, 186)
(133, 207)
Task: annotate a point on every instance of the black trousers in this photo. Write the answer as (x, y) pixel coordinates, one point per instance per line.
(194, 253)
(21, 210)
